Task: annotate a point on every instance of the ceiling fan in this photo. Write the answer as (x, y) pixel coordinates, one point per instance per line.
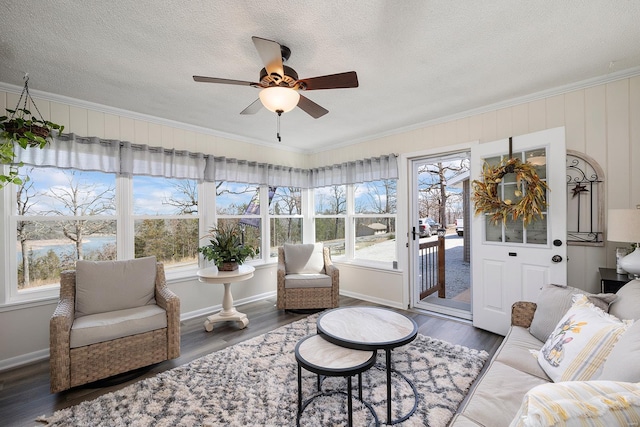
(280, 84)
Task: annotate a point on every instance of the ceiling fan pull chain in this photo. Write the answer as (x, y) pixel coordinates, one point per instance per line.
(278, 128)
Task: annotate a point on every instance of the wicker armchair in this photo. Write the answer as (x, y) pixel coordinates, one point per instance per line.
(71, 367)
(293, 293)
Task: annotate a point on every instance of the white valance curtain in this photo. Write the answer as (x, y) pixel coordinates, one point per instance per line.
(124, 158)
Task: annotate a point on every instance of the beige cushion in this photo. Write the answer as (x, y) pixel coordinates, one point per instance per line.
(103, 286)
(553, 302)
(102, 327)
(304, 259)
(515, 351)
(627, 306)
(499, 394)
(577, 348)
(580, 404)
(307, 281)
(623, 363)
(461, 421)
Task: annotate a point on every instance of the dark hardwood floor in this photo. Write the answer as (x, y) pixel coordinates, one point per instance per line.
(24, 391)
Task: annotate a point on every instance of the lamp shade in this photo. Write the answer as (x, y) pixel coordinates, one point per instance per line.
(623, 225)
(279, 99)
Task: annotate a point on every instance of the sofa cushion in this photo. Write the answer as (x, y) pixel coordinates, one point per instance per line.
(617, 367)
(307, 281)
(103, 286)
(304, 259)
(95, 328)
(577, 348)
(553, 302)
(580, 403)
(627, 305)
(515, 351)
(499, 394)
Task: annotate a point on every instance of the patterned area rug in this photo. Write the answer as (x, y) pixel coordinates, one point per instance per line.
(254, 383)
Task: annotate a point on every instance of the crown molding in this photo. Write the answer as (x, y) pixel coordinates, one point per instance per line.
(547, 93)
(78, 103)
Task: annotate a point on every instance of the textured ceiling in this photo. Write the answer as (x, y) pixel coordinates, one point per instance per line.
(416, 61)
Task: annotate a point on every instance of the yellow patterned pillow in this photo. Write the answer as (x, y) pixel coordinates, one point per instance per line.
(580, 403)
(577, 348)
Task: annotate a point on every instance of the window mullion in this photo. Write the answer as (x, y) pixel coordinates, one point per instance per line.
(125, 222)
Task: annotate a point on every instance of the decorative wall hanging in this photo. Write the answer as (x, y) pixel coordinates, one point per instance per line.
(530, 194)
(585, 200)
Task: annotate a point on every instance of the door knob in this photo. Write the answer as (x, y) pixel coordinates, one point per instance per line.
(556, 258)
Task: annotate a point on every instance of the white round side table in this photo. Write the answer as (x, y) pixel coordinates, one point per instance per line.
(228, 312)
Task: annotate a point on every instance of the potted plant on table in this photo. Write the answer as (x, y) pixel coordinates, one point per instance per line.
(226, 247)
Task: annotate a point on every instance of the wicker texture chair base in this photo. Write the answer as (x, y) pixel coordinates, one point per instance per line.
(73, 367)
(105, 359)
(308, 298)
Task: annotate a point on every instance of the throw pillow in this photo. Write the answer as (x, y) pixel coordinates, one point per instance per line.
(103, 286)
(553, 302)
(304, 259)
(617, 367)
(627, 305)
(580, 403)
(577, 348)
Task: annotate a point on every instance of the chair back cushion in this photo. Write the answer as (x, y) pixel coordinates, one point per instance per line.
(103, 286)
(304, 259)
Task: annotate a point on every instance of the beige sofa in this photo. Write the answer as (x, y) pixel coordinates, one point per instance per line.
(497, 397)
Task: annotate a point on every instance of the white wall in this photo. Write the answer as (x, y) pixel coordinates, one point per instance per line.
(601, 121)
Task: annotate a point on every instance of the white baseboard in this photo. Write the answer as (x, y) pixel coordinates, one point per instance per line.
(24, 359)
(39, 355)
(394, 304)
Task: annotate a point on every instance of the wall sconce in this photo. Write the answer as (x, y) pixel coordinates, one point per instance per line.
(442, 232)
(623, 225)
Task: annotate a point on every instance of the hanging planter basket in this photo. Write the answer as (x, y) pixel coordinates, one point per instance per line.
(25, 129)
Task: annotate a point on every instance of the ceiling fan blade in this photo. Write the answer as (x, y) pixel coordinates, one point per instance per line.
(311, 108)
(253, 108)
(331, 81)
(204, 79)
(271, 55)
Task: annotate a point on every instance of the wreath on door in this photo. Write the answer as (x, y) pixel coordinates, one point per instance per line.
(530, 194)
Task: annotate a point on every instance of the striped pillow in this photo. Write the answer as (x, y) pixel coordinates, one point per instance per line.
(580, 403)
(580, 343)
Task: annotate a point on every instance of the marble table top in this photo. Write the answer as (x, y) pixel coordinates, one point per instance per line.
(367, 328)
(319, 352)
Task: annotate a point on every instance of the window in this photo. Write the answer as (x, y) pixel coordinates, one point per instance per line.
(166, 221)
(238, 203)
(374, 221)
(61, 216)
(285, 217)
(330, 214)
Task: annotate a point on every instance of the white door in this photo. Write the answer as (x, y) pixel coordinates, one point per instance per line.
(509, 262)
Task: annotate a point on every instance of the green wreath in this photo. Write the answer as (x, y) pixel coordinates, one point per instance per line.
(528, 206)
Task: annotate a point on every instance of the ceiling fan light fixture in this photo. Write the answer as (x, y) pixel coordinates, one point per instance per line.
(279, 99)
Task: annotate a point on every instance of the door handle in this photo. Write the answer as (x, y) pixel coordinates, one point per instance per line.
(556, 258)
(413, 232)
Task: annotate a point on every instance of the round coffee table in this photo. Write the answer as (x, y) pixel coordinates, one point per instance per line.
(323, 358)
(371, 328)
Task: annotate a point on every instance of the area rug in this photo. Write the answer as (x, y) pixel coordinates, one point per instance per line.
(254, 383)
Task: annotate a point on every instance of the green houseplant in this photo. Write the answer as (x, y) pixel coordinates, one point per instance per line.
(25, 129)
(226, 247)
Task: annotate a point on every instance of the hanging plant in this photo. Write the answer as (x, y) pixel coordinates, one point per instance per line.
(527, 206)
(25, 129)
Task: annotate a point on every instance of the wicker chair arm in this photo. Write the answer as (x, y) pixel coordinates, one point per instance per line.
(522, 313)
(168, 300)
(59, 340)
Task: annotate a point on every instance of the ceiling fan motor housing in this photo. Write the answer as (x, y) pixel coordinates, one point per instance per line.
(289, 79)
